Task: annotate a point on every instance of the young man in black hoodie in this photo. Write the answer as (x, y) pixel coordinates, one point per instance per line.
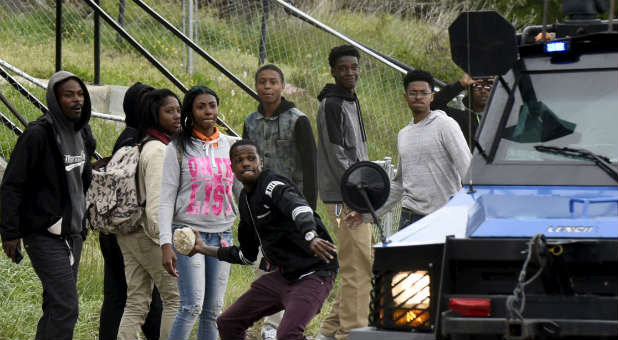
(277, 219)
(43, 200)
(342, 141)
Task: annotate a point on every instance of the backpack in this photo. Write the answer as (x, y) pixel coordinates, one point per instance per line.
(113, 202)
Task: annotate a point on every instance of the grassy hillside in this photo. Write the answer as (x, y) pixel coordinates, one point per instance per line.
(27, 41)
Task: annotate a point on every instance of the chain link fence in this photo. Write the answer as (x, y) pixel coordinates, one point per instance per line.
(241, 35)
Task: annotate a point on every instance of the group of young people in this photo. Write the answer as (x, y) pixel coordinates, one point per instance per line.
(193, 175)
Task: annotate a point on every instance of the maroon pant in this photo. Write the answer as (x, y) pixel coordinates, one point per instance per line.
(271, 293)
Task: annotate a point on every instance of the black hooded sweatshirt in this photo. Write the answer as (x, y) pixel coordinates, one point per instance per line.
(131, 105)
(47, 175)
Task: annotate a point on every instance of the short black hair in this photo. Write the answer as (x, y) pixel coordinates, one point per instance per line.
(149, 113)
(270, 67)
(132, 102)
(342, 51)
(242, 142)
(418, 75)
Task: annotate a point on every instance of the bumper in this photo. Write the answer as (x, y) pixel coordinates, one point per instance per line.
(530, 328)
(372, 333)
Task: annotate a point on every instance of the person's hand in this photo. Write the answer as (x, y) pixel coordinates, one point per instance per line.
(466, 80)
(353, 219)
(200, 248)
(323, 249)
(169, 259)
(199, 244)
(11, 248)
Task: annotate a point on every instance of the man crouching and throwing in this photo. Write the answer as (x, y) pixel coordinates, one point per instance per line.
(275, 217)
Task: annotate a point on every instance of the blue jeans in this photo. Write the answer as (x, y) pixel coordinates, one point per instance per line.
(408, 217)
(201, 285)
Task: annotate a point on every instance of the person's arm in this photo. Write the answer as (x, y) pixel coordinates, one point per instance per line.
(244, 131)
(170, 181)
(336, 126)
(245, 254)
(151, 168)
(305, 146)
(90, 144)
(396, 191)
(354, 218)
(456, 146)
(445, 95)
(285, 198)
(25, 156)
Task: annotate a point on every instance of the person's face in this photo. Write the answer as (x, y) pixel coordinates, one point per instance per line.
(70, 99)
(269, 86)
(419, 96)
(346, 72)
(204, 112)
(480, 94)
(169, 115)
(246, 164)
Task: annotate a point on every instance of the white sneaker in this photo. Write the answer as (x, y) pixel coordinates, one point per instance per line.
(321, 336)
(269, 332)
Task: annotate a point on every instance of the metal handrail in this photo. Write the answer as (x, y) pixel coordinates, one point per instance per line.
(136, 45)
(387, 60)
(23, 74)
(34, 100)
(197, 49)
(147, 55)
(10, 125)
(40, 84)
(22, 90)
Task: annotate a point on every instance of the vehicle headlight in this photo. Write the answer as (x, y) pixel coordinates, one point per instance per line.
(402, 300)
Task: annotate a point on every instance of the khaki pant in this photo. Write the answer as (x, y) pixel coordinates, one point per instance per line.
(143, 268)
(351, 307)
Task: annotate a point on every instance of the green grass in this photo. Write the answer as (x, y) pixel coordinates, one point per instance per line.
(27, 41)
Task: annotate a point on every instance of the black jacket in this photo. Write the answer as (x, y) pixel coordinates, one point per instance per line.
(34, 191)
(276, 217)
(342, 140)
(467, 119)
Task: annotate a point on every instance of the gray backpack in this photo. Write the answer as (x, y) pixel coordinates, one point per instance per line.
(113, 202)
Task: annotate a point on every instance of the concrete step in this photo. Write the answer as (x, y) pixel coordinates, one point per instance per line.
(105, 99)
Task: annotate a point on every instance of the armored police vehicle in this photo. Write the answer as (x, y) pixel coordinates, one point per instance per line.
(528, 249)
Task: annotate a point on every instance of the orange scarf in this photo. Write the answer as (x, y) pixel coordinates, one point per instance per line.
(201, 136)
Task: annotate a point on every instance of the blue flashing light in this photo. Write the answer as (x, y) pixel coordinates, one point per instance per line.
(556, 47)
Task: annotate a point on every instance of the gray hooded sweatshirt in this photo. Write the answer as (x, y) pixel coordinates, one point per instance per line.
(71, 145)
(342, 140)
(198, 193)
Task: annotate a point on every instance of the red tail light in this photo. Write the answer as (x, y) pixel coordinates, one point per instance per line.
(470, 306)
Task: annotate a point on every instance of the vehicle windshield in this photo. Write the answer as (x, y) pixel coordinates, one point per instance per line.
(584, 102)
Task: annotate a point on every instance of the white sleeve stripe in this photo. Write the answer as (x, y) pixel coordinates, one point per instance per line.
(271, 186)
(243, 258)
(301, 210)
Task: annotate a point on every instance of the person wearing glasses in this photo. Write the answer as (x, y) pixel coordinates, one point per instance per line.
(474, 103)
(433, 156)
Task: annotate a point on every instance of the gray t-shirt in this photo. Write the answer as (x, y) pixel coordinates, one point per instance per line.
(433, 159)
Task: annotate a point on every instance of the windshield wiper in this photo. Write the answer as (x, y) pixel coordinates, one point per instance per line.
(602, 162)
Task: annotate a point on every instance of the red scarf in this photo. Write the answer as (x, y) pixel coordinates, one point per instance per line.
(163, 137)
